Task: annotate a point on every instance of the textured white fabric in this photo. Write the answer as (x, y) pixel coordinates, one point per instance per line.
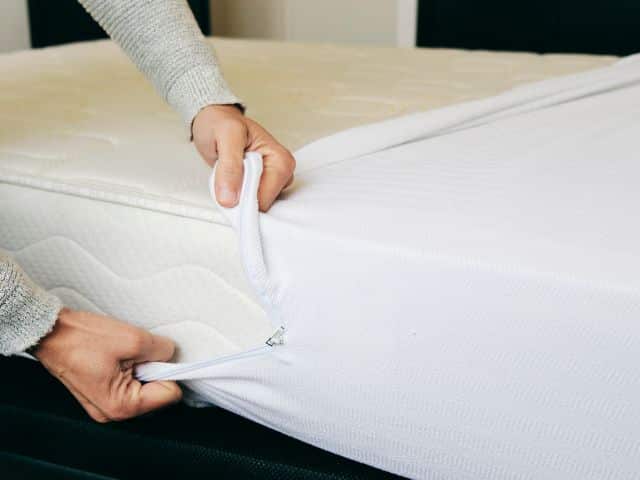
(174, 275)
(106, 204)
(107, 207)
(459, 289)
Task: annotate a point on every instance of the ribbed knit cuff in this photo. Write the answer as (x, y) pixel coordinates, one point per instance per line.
(27, 312)
(199, 87)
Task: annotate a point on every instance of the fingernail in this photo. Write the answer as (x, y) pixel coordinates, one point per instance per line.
(227, 196)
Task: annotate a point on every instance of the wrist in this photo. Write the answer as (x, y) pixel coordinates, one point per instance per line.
(27, 311)
(201, 85)
(214, 114)
(220, 109)
(216, 110)
(63, 320)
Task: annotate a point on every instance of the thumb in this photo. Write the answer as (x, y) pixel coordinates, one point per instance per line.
(230, 166)
(155, 395)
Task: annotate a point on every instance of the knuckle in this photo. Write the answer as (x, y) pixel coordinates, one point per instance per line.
(287, 162)
(290, 161)
(201, 144)
(209, 154)
(211, 157)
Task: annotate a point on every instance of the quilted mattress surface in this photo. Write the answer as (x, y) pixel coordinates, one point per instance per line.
(104, 201)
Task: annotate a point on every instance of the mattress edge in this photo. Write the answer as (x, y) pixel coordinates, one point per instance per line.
(142, 201)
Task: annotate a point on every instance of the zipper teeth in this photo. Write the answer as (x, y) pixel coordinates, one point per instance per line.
(277, 338)
(189, 367)
(250, 237)
(247, 216)
(274, 340)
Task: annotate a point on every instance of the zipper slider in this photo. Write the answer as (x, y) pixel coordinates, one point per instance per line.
(277, 338)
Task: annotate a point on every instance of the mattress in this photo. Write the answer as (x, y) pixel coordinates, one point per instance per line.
(104, 201)
(457, 289)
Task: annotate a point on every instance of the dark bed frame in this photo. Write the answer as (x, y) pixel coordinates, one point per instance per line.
(54, 22)
(545, 26)
(45, 434)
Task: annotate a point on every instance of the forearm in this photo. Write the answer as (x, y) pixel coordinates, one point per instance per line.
(163, 39)
(27, 312)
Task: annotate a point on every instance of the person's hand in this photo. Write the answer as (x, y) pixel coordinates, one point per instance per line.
(222, 133)
(93, 356)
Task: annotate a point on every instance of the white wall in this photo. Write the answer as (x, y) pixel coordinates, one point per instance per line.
(359, 21)
(14, 25)
(381, 22)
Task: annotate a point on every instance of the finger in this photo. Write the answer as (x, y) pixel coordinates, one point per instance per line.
(290, 182)
(205, 142)
(208, 151)
(154, 348)
(155, 395)
(92, 410)
(231, 143)
(128, 398)
(277, 174)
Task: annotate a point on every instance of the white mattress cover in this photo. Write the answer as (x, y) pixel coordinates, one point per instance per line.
(104, 201)
(458, 289)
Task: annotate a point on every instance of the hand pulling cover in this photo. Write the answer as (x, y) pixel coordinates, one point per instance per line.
(455, 294)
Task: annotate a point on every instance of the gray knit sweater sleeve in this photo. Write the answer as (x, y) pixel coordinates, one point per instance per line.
(27, 312)
(163, 39)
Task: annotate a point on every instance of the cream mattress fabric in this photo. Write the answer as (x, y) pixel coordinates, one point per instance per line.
(104, 201)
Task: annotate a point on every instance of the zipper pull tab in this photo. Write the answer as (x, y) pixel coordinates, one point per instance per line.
(277, 338)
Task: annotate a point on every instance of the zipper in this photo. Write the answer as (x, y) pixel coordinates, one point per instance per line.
(277, 338)
(165, 371)
(245, 218)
